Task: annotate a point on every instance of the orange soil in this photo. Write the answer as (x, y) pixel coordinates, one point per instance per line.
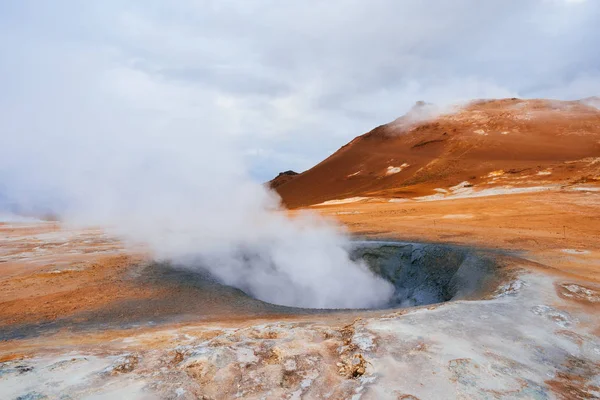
(43, 296)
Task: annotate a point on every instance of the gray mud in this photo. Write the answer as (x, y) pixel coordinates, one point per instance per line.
(425, 274)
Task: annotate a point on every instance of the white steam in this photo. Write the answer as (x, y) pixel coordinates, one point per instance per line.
(107, 146)
(422, 111)
(221, 221)
(194, 205)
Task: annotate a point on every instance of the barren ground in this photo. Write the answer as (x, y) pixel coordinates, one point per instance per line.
(81, 316)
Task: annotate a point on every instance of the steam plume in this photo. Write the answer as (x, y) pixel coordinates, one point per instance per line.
(141, 170)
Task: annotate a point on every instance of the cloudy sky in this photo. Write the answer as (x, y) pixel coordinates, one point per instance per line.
(285, 82)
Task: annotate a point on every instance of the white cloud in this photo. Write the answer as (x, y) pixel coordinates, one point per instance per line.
(312, 75)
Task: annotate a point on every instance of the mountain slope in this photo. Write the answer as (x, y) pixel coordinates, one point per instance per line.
(282, 178)
(508, 143)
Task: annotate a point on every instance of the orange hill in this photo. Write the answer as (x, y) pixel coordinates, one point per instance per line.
(487, 144)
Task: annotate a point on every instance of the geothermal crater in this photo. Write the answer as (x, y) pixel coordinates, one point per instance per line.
(421, 274)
